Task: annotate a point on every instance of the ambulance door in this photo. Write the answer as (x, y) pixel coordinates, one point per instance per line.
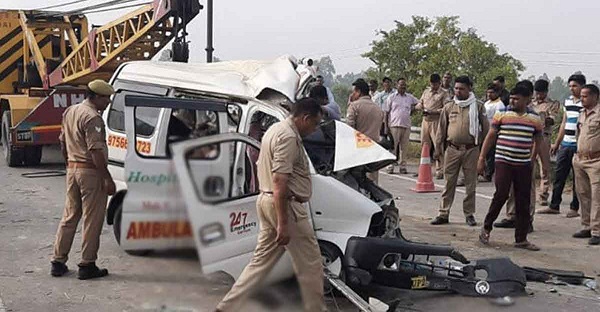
(154, 211)
(114, 118)
(222, 210)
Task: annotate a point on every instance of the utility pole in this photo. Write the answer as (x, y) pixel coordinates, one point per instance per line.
(209, 32)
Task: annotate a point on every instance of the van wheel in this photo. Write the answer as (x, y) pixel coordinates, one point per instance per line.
(33, 155)
(117, 231)
(333, 259)
(14, 157)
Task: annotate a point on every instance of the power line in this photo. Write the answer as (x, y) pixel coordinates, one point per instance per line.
(559, 52)
(117, 8)
(62, 4)
(97, 6)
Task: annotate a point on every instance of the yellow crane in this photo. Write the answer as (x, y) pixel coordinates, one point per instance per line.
(46, 57)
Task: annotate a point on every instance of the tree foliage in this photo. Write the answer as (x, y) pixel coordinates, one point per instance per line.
(558, 89)
(341, 93)
(326, 69)
(426, 46)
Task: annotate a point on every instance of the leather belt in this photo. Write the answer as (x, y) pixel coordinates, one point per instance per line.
(292, 198)
(83, 165)
(588, 156)
(462, 147)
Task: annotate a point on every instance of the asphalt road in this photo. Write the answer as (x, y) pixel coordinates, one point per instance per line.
(30, 209)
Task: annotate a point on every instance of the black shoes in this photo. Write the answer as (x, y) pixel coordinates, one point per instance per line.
(90, 270)
(471, 221)
(583, 234)
(58, 269)
(595, 240)
(505, 224)
(439, 220)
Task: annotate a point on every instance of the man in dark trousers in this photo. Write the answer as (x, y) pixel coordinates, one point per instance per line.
(513, 131)
(504, 94)
(565, 148)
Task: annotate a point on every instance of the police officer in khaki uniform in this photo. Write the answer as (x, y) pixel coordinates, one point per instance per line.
(447, 85)
(285, 184)
(83, 144)
(548, 111)
(365, 116)
(586, 164)
(431, 103)
(463, 126)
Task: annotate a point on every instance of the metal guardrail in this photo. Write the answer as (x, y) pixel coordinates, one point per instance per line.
(415, 134)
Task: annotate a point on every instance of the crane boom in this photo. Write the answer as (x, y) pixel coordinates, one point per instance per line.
(138, 35)
(47, 57)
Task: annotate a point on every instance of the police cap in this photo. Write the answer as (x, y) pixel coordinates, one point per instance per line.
(101, 87)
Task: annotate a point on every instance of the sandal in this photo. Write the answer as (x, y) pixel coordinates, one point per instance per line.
(527, 246)
(484, 236)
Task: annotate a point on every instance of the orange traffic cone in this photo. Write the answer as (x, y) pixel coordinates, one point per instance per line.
(425, 180)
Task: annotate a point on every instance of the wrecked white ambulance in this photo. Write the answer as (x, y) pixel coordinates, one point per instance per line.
(183, 142)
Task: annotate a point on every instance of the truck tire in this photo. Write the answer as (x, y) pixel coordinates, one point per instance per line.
(14, 157)
(33, 155)
(117, 231)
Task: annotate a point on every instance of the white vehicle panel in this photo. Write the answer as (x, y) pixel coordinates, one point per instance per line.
(223, 230)
(332, 212)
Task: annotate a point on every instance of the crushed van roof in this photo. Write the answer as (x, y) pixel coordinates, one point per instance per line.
(239, 78)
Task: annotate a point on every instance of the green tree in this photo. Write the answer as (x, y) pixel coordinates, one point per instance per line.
(342, 87)
(341, 93)
(425, 46)
(326, 69)
(347, 79)
(558, 89)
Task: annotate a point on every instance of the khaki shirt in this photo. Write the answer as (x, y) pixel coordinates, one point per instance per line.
(366, 117)
(433, 102)
(281, 151)
(82, 132)
(454, 125)
(450, 92)
(588, 131)
(547, 109)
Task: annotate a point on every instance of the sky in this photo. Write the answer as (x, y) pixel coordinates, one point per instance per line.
(556, 37)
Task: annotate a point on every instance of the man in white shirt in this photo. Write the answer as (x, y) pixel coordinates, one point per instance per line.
(381, 96)
(493, 104)
(373, 85)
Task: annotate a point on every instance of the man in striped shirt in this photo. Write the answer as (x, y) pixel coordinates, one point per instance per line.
(565, 148)
(514, 131)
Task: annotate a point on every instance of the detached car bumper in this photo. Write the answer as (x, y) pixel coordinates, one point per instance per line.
(398, 263)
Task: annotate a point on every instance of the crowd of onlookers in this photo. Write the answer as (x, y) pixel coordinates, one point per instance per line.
(502, 139)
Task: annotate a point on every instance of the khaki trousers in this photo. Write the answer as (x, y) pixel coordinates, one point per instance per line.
(511, 210)
(401, 137)
(544, 173)
(303, 248)
(454, 160)
(587, 179)
(86, 197)
(429, 133)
